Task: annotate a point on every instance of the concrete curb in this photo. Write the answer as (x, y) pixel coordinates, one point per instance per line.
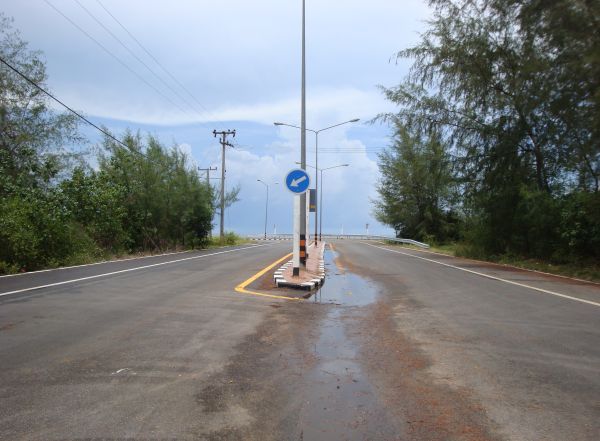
(318, 281)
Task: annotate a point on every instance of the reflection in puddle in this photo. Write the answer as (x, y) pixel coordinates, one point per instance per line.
(340, 402)
(342, 287)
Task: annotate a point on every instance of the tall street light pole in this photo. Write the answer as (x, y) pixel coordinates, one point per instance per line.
(321, 170)
(303, 232)
(303, 165)
(267, 203)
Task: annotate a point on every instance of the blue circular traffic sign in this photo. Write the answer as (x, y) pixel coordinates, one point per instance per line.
(297, 181)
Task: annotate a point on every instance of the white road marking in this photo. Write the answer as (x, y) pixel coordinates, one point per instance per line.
(124, 370)
(503, 265)
(97, 263)
(545, 291)
(126, 270)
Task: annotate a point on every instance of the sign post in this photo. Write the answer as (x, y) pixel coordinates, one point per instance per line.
(307, 237)
(296, 238)
(297, 181)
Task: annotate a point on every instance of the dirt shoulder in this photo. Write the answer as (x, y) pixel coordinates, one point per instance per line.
(400, 369)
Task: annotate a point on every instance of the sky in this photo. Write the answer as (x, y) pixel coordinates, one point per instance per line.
(233, 64)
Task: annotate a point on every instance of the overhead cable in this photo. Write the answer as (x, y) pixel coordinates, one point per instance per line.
(154, 58)
(33, 83)
(125, 65)
(134, 55)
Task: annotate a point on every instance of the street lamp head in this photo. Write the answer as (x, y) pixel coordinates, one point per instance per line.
(279, 124)
(355, 120)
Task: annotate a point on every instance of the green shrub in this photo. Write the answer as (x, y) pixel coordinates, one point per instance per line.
(231, 238)
(37, 231)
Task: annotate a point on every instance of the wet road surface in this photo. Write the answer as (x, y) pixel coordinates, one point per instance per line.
(393, 347)
(524, 362)
(340, 401)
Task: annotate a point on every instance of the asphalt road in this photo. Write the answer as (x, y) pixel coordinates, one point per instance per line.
(120, 356)
(529, 359)
(399, 344)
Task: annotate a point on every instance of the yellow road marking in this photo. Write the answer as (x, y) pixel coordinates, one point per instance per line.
(241, 288)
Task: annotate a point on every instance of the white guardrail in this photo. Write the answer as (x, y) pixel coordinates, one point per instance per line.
(286, 236)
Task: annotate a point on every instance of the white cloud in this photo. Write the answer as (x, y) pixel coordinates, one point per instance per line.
(186, 149)
(322, 105)
(347, 190)
(241, 60)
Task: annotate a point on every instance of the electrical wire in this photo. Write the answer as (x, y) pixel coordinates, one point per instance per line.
(133, 54)
(33, 83)
(154, 59)
(79, 115)
(125, 65)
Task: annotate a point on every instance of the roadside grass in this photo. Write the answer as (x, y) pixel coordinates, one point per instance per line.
(98, 255)
(229, 239)
(581, 270)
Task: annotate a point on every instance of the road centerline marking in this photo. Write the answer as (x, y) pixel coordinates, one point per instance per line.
(241, 288)
(488, 276)
(96, 276)
(103, 262)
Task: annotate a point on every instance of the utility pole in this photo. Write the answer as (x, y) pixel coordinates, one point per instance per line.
(207, 170)
(223, 141)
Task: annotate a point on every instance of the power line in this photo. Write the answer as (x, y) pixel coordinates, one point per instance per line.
(154, 58)
(224, 143)
(133, 54)
(79, 115)
(208, 170)
(114, 56)
(33, 83)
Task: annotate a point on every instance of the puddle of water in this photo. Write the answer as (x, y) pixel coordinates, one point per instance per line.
(340, 402)
(342, 287)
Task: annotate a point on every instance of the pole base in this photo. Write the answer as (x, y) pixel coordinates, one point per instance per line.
(303, 253)
(295, 271)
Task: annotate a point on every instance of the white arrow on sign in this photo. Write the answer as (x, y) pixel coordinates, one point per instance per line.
(295, 182)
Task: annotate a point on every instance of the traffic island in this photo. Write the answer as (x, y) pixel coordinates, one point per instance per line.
(312, 276)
